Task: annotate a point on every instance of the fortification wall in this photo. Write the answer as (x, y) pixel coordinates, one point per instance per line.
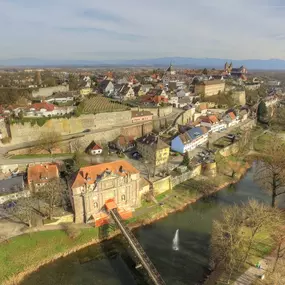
(185, 117)
(156, 111)
(25, 132)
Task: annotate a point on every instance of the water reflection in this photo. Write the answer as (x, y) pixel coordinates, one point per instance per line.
(113, 263)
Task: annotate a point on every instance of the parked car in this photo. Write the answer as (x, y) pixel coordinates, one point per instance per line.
(86, 131)
(136, 155)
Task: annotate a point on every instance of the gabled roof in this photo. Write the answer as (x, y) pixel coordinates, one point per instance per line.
(210, 119)
(195, 132)
(41, 173)
(92, 174)
(232, 115)
(103, 84)
(96, 147)
(153, 141)
(43, 105)
(185, 138)
(124, 140)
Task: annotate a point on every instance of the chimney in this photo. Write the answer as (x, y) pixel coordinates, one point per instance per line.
(121, 168)
(86, 176)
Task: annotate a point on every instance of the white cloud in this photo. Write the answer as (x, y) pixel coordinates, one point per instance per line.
(136, 29)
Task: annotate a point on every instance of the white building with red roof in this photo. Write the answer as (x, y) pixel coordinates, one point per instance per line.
(45, 109)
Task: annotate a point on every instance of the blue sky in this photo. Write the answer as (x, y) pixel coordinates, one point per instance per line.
(113, 29)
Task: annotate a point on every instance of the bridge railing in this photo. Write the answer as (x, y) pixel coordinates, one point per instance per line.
(146, 262)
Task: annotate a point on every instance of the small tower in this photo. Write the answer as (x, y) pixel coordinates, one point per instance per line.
(170, 70)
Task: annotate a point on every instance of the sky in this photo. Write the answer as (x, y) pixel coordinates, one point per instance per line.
(124, 29)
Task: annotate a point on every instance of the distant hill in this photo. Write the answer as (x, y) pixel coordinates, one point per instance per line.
(187, 62)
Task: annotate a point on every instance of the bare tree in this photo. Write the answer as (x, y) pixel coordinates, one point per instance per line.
(279, 239)
(228, 240)
(49, 141)
(270, 170)
(22, 209)
(258, 216)
(76, 145)
(53, 194)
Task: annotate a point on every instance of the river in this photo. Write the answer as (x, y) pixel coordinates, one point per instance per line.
(110, 264)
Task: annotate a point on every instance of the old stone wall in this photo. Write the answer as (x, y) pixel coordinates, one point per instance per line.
(156, 111)
(161, 185)
(137, 130)
(25, 132)
(185, 117)
(186, 176)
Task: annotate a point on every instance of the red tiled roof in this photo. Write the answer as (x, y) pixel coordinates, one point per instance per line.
(90, 174)
(232, 115)
(96, 146)
(41, 173)
(43, 105)
(213, 119)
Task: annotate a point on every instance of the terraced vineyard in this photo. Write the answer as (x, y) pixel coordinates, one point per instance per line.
(100, 104)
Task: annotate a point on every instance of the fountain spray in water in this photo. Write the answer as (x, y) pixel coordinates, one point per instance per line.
(175, 242)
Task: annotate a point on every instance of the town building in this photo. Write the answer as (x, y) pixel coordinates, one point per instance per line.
(45, 109)
(138, 91)
(190, 139)
(106, 87)
(60, 98)
(94, 148)
(96, 185)
(230, 119)
(209, 87)
(85, 91)
(12, 189)
(140, 116)
(212, 123)
(123, 143)
(153, 149)
(39, 174)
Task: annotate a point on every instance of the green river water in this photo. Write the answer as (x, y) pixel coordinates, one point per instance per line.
(110, 263)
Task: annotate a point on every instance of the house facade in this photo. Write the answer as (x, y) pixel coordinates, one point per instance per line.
(122, 143)
(230, 119)
(153, 149)
(96, 149)
(95, 185)
(39, 174)
(106, 87)
(210, 87)
(190, 140)
(212, 123)
(12, 189)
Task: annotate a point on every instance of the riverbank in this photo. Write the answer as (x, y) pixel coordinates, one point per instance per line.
(60, 245)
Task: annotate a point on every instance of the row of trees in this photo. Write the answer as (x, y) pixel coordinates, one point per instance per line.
(235, 235)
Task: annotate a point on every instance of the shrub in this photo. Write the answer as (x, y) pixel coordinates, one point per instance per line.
(6, 140)
(71, 231)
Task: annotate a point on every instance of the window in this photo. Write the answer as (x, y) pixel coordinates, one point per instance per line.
(95, 205)
(123, 198)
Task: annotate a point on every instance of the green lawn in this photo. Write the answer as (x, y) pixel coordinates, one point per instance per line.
(26, 250)
(23, 156)
(261, 141)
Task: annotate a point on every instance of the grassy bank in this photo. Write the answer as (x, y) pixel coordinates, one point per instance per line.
(29, 249)
(24, 254)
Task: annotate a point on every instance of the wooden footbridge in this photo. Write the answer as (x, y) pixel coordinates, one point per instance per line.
(133, 242)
